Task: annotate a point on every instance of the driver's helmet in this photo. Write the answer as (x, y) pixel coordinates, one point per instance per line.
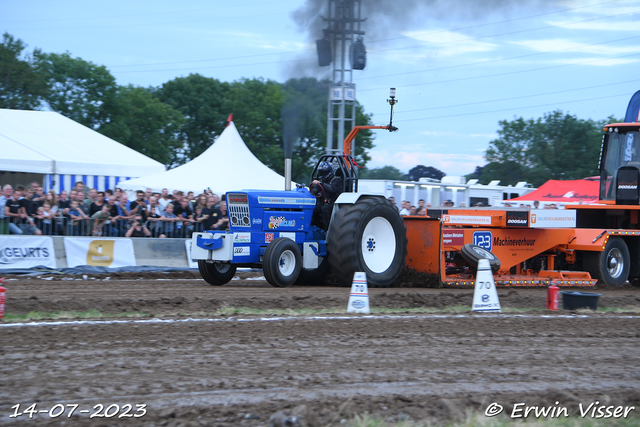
(325, 170)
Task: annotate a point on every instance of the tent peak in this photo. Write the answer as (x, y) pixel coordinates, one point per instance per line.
(230, 119)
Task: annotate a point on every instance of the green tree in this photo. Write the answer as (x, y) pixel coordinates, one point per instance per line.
(144, 123)
(556, 146)
(78, 89)
(385, 172)
(201, 101)
(564, 147)
(22, 84)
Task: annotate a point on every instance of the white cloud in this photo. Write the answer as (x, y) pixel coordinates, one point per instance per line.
(448, 43)
(598, 25)
(567, 46)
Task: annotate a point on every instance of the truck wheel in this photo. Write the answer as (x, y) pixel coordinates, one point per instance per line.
(282, 262)
(216, 273)
(610, 266)
(472, 254)
(315, 277)
(368, 236)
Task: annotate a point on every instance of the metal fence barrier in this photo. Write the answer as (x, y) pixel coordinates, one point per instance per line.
(63, 226)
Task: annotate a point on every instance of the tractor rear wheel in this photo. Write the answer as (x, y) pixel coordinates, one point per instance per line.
(610, 266)
(282, 262)
(368, 236)
(216, 273)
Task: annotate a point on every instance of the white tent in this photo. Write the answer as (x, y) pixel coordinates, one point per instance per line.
(65, 151)
(225, 166)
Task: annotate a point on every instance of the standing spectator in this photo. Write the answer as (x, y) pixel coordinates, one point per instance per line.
(138, 229)
(79, 187)
(163, 201)
(97, 205)
(7, 192)
(11, 209)
(168, 220)
(46, 218)
(92, 196)
(405, 207)
(38, 197)
(99, 219)
(191, 198)
(148, 194)
(153, 203)
(123, 214)
(184, 211)
(110, 227)
(108, 193)
(153, 222)
(413, 210)
(212, 215)
(139, 206)
(223, 223)
(77, 220)
(63, 203)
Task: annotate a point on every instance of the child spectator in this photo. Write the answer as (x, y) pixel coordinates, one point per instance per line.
(77, 219)
(45, 216)
(169, 221)
(154, 226)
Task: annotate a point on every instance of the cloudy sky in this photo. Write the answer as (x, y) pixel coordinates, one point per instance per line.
(459, 68)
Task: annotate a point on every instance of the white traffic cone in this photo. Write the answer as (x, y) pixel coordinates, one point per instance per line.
(485, 295)
(359, 297)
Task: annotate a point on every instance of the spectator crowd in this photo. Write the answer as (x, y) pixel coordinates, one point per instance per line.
(83, 211)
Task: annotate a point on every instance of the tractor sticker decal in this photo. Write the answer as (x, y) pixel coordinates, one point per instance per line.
(257, 220)
(280, 221)
(242, 238)
(268, 237)
(483, 239)
(287, 200)
(242, 251)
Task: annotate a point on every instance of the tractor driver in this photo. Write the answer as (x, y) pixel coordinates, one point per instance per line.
(327, 190)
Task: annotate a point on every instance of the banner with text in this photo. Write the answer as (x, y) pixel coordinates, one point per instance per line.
(26, 252)
(102, 252)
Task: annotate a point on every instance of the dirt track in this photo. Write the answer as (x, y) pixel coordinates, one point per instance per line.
(192, 368)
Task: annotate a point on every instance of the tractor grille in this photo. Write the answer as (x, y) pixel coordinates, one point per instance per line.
(238, 210)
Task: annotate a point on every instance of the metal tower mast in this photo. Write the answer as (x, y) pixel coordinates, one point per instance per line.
(343, 26)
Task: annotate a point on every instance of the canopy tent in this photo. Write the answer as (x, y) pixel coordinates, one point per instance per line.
(583, 191)
(226, 165)
(65, 151)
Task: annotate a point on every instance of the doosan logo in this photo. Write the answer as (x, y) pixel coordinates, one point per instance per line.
(517, 221)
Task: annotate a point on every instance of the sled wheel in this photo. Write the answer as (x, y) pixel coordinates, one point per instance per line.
(472, 254)
(216, 273)
(315, 277)
(610, 266)
(368, 236)
(282, 262)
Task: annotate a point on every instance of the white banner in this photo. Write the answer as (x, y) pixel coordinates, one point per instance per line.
(552, 218)
(26, 252)
(98, 251)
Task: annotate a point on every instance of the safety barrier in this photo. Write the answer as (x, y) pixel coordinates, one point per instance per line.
(63, 226)
(71, 251)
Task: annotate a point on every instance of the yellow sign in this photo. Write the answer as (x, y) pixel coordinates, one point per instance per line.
(100, 253)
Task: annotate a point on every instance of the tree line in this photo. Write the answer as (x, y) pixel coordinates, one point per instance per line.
(177, 121)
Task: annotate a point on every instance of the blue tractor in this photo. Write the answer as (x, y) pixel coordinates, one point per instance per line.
(279, 232)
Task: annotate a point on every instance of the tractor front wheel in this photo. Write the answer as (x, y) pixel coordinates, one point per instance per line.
(216, 273)
(282, 262)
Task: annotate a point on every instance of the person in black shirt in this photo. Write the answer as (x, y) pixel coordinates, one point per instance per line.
(139, 206)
